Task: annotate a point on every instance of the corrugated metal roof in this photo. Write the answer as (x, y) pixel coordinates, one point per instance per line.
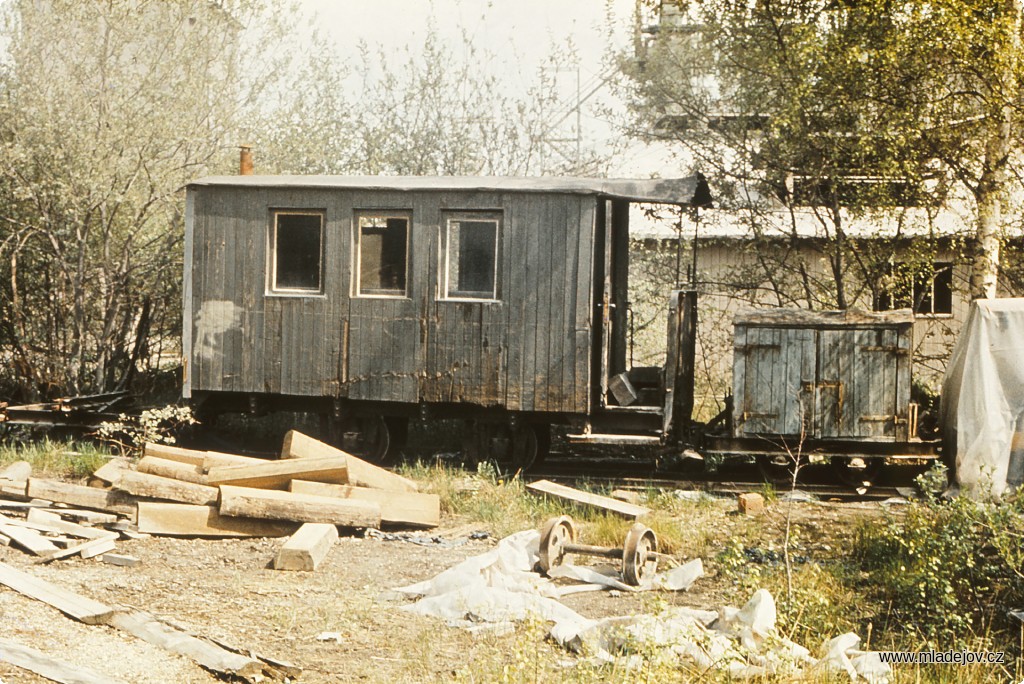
(683, 191)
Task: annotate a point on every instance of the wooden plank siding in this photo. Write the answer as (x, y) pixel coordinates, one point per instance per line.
(530, 350)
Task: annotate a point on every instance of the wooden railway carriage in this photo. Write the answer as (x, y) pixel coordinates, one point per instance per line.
(369, 300)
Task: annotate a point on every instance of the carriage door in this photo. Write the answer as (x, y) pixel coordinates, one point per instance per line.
(613, 302)
(382, 332)
(864, 378)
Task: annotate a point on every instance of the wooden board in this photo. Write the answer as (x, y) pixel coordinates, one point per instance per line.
(86, 497)
(43, 665)
(622, 508)
(360, 473)
(277, 505)
(54, 521)
(163, 467)
(307, 548)
(402, 508)
(157, 487)
(93, 547)
(79, 607)
(185, 520)
(146, 627)
(269, 474)
(29, 539)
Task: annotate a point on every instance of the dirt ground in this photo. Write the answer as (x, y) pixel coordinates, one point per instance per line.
(226, 590)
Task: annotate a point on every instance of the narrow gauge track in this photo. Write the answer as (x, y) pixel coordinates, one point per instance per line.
(818, 480)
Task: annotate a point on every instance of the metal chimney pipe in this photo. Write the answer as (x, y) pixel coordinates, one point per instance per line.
(245, 161)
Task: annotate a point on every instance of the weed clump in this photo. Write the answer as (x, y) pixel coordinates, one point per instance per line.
(951, 568)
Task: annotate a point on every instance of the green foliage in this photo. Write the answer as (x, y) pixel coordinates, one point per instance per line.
(950, 569)
(156, 426)
(56, 459)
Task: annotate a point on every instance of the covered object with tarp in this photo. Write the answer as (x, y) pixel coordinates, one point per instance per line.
(983, 399)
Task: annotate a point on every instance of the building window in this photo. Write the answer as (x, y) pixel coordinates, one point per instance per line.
(296, 246)
(382, 250)
(930, 292)
(471, 256)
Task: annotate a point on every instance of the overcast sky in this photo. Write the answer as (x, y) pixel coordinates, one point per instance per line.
(518, 34)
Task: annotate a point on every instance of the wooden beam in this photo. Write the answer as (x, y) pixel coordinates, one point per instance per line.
(43, 665)
(203, 459)
(209, 655)
(360, 473)
(606, 503)
(307, 548)
(184, 520)
(79, 607)
(400, 508)
(270, 474)
(86, 497)
(14, 489)
(111, 471)
(90, 517)
(16, 471)
(277, 505)
(157, 487)
(173, 469)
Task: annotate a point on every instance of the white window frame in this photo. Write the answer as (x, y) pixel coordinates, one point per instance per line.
(272, 287)
(476, 216)
(357, 251)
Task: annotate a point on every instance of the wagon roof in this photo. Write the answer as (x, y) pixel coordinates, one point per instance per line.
(804, 317)
(683, 191)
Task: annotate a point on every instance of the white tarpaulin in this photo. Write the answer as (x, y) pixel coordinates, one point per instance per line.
(492, 591)
(983, 398)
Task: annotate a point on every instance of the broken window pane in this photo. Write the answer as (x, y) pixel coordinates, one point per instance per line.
(472, 257)
(382, 264)
(297, 245)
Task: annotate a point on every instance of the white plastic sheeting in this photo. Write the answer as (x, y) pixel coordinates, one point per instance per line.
(983, 398)
(492, 591)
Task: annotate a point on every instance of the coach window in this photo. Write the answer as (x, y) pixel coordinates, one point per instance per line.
(382, 249)
(471, 256)
(296, 247)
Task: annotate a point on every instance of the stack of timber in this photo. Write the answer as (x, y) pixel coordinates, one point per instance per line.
(309, 492)
(35, 518)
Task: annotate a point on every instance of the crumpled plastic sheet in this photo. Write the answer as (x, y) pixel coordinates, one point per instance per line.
(490, 592)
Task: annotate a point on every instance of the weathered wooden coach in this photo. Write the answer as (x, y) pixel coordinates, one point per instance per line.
(370, 300)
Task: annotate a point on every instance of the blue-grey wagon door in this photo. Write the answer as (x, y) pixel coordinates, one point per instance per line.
(864, 378)
(774, 369)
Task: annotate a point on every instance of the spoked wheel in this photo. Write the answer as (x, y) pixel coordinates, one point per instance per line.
(859, 472)
(511, 449)
(372, 438)
(778, 468)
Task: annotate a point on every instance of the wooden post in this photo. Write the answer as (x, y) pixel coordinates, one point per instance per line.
(305, 549)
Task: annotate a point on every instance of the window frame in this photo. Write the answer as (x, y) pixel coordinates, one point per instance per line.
(472, 215)
(272, 289)
(920, 281)
(357, 252)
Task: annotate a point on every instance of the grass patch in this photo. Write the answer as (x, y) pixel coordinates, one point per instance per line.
(69, 459)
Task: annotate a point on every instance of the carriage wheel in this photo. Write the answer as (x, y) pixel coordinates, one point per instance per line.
(858, 471)
(376, 439)
(513, 450)
(556, 534)
(779, 468)
(639, 555)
